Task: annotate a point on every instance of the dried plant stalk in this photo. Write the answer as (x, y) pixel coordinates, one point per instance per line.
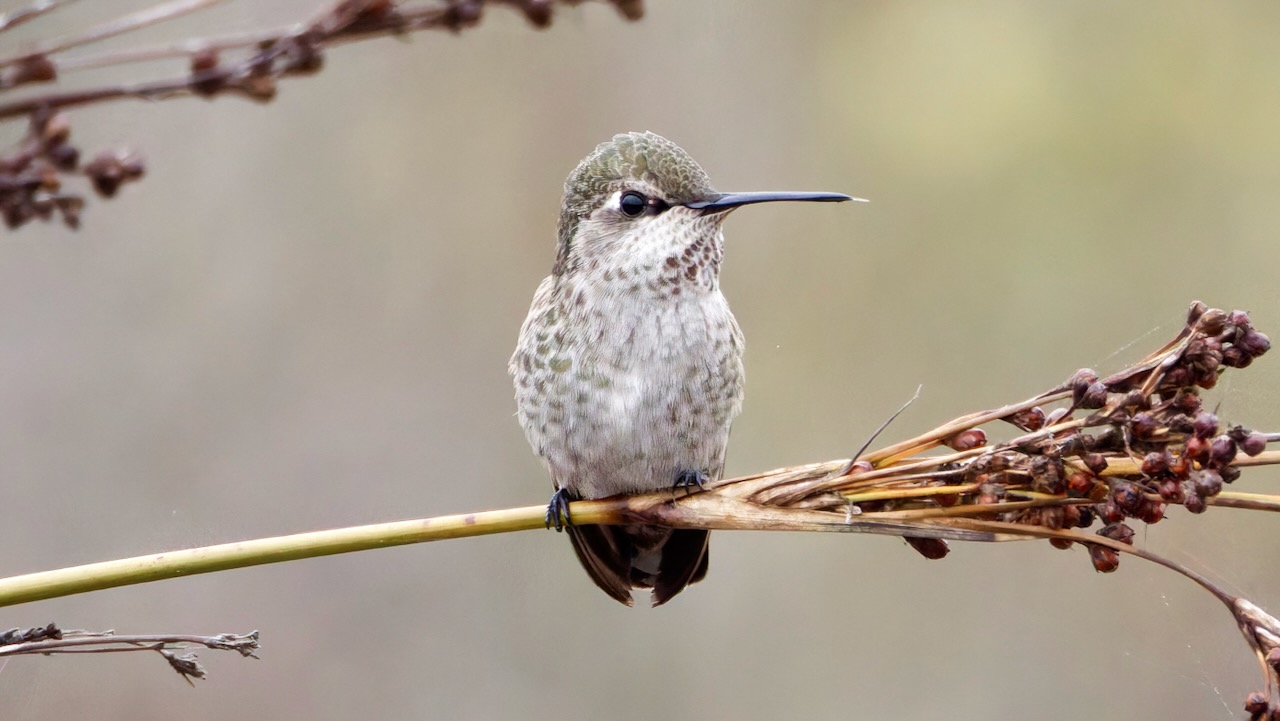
(1105, 452)
(50, 639)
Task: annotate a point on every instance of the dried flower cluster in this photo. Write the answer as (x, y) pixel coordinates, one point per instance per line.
(1093, 453)
(32, 172)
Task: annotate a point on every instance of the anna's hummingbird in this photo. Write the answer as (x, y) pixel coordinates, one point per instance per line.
(628, 370)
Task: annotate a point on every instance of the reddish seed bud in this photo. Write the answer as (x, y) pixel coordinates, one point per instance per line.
(1187, 402)
(967, 440)
(1197, 449)
(1105, 560)
(1031, 419)
(1117, 532)
(1237, 318)
(1206, 424)
(1179, 465)
(1152, 512)
(1070, 516)
(1143, 426)
(946, 500)
(1207, 380)
(1061, 543)
(1177, 377)
(1154, 464)
(1110, 512)
(1079, 485)
(1128, 497)
(1096, 463)
(1256, 704)
(1195, 503)
(1235, 357)
(931, 548)
(1171, 491)
(1222, 451)
(1255, 343)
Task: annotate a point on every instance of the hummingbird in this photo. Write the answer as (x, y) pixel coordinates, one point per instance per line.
(628, 369)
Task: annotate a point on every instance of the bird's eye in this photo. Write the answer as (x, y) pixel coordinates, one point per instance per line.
(632, 204)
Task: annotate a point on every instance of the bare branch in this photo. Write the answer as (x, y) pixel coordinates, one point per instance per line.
(248, 65)
(50, 639)
(14, 18)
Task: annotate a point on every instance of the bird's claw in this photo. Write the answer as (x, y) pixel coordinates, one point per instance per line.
(690, 479)
(558, 510)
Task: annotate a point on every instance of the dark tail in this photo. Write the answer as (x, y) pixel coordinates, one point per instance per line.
(620, 558)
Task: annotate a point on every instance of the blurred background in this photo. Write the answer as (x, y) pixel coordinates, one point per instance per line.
(301, 318)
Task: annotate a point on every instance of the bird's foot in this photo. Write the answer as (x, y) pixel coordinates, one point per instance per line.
(689, 479)
(558, 510)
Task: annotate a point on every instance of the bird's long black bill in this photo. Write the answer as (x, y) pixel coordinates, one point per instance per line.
(728, 201)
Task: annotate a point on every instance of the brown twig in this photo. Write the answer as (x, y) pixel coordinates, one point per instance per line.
(50, 639)
(248, 65)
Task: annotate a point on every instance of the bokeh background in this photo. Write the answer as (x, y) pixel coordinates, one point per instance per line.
(301, 318)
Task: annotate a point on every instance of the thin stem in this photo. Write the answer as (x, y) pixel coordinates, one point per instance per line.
(14, 18)
(112, 28)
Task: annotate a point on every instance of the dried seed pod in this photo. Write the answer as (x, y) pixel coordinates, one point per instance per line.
(1253, 444)
(1070, 516)
(1256, 704)
(1046, 475)
(1196, 310)
(931, 548)
(1194, 502)
(967, 440)
(1273, 659)
(1222, 451)
(1171, 491)
(1032, 419)
(1095, 396)
(1206, 425)
(1095, 462)
(1061, 543)
(1208, 483)
(1143, 426)
(1236, 357)
(1080, 383)
(1152, 512)
(1238, 318)
(1105, 560)
(1121, 532)
(1229, 473)
(1087, 516)
(1110, 512)
(1079, 485)
(1255, 343)
(1128, 497)
(1154, 464)
(1187, 401)
(1197, 449)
